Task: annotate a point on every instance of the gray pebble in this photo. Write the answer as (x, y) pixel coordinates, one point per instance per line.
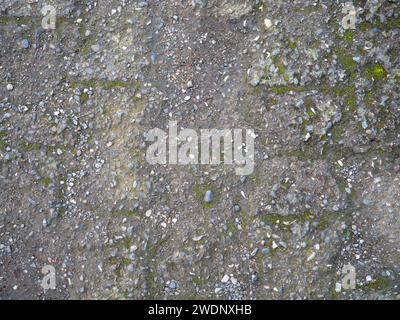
(25, 44)
(172, 285)
(209, 196)
(367, 202)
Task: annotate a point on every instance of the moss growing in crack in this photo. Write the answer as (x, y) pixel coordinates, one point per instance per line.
(115, 84)
(84, 84)
(119, 261)
(350, 96)
(305, 122)
(342, 91)
(348, 36)
(391, 23)
(395, 23)
(376, 72)
(323, 224)
(379, 284)
(3, 143)
(351, 101)
(281, 68)
(127, 243)
(153, 257)
(335, 152)
(86, 47)
(200, 281)
(4, 20)
(274, 101)
(292, 45)
(84, 97)
(30, 146)
(337, 132)
(280, 90)
(46, 181)
(154, 250)
(104, 84)
(126, 261)
(347, 62)
(312, 8)
(113, 260)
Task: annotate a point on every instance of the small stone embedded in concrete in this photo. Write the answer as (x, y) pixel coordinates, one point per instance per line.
(225, 279)
(209, 196)
(25, 43)
(237, 208)
(267, 23)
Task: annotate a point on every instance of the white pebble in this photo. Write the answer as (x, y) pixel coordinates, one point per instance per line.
(267, 23)
(225, 279)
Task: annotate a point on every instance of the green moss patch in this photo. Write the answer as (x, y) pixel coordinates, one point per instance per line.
(376, 72)
(377, 285)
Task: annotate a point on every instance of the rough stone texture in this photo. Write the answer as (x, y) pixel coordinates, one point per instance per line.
(78, 194)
